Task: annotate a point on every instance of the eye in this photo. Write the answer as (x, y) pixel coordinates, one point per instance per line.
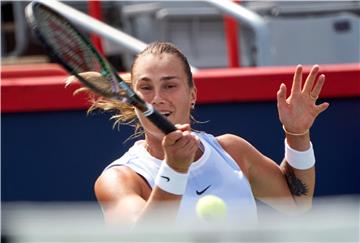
(170, 86)
(145, 87)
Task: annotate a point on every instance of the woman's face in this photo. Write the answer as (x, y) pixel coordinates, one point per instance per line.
(161, 81)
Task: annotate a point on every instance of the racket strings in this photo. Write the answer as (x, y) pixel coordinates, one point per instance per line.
(68, 45)
(67, 42)
(76, 52)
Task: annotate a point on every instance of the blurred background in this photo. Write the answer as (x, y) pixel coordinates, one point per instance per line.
(52, 151)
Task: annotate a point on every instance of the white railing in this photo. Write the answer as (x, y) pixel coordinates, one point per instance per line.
(93, 25)
(243, 15)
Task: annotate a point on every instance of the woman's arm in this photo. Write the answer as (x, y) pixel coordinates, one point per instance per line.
(126, 198)
(284, 187)
(301, 182)
(267, 180)
(297, 113)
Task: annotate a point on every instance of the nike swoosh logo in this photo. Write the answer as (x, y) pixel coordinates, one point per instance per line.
(166, 178)
(204, 190)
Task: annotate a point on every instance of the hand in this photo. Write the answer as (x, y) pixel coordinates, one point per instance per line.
(180, 147)
(298, 112)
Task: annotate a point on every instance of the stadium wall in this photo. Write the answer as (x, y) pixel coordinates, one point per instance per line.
(52, 151)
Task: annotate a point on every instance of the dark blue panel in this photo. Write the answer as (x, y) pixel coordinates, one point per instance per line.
(335, 136)
(58, 155)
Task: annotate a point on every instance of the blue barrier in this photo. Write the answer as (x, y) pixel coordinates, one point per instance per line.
(57, 156)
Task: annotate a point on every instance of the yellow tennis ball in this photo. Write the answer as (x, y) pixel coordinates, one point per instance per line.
(211, 208)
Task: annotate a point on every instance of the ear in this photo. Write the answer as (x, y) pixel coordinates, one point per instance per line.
(193, 93)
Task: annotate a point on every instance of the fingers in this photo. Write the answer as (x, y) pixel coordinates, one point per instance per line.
(309, 83)
(183, 127)
(281, 95)
(180, 147)
(297, 80)
(184, 139)
(189, 142)
(171, 138)
(311, 87)
(180, 137)
(314, 94)
(186, 134)
(322, 107)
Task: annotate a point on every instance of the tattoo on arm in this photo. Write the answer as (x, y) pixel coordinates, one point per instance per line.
(296, 186)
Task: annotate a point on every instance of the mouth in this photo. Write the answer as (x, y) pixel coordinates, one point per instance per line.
(165, 113)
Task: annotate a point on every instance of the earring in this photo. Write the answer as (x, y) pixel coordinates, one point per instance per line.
(192, 106)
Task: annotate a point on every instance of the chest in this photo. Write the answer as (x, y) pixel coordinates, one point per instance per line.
(217, 177)
(224, 181)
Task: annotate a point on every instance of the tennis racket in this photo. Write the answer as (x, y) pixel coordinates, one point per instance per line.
(70, 48)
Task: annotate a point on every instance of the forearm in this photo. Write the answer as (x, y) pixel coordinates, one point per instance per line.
(301, 182)
(161, 206)
(165, 197)
(297, 113)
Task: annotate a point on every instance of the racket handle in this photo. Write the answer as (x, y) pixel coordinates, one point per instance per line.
(160, 121)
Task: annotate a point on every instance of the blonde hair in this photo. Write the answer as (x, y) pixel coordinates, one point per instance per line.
(124, 113)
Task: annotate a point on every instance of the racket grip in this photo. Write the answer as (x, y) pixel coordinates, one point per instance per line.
(161, 122)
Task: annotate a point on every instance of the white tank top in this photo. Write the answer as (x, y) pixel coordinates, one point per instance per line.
(214, 173)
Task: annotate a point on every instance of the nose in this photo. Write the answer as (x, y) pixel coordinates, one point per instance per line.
(157, 99)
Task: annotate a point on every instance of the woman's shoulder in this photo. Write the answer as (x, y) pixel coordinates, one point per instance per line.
(135, 163)
(114, 181)
(238, 148)
(226, 141)
(232, 141)
(132, 154)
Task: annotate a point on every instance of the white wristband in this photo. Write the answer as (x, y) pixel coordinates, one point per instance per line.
(301, 160)
(170, 180)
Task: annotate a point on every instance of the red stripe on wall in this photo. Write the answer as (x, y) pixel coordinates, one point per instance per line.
(262, 84)
(40, 94)
(31, 70)
(27, 88)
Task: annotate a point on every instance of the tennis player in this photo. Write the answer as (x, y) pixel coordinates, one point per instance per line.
(185, 165)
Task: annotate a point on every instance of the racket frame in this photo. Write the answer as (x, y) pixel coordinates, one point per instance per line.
(119, 84)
